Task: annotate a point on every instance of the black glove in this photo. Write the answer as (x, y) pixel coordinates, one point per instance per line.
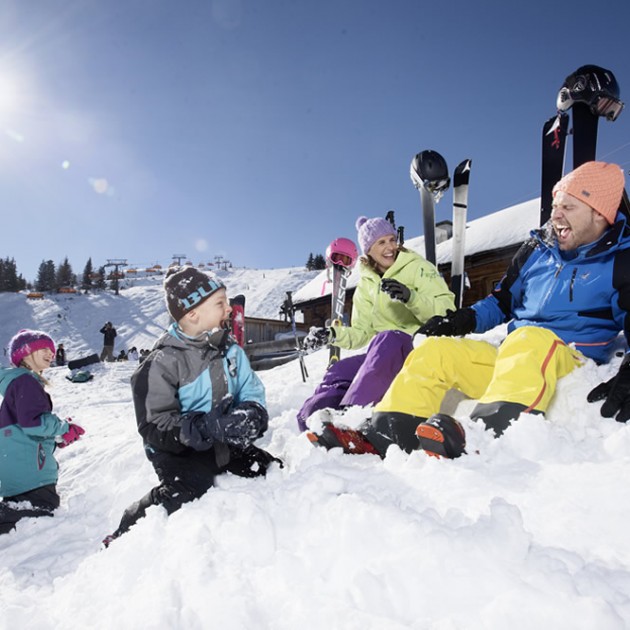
(317, 337)
(454, 323)
(396, 290)
(251, 461)
(239, 426)
(243, 424)
(616, 391)
(198, 429)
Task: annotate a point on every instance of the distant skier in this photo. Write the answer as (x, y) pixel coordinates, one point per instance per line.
(565, 297)
(60, 356)
(109, 335)
(199, 405)
(398, 291)
(29, 432)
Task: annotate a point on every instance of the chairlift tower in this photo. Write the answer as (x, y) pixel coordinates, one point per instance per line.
(116, 263)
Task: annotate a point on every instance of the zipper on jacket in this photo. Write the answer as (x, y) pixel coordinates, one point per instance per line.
(550, 290)
(572, 283)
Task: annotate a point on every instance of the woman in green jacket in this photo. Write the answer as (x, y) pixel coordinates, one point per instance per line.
(398, 292)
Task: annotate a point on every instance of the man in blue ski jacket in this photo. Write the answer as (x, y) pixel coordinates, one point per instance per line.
(565, 297)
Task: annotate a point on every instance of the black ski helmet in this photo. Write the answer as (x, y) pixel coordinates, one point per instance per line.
(429, 170)
(594, 86)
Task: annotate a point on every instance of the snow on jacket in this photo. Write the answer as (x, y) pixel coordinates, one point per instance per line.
(183, 375)
(373, 311)
(582, 296)
(27, 433)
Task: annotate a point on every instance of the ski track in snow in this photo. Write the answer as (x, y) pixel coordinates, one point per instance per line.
(525, 531)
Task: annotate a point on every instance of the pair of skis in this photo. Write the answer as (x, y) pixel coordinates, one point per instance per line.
(429, 175)
(589, 93)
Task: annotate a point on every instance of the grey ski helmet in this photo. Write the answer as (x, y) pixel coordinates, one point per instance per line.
(429, 170)
(594, 86)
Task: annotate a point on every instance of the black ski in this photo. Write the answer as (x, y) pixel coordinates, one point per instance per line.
(460, 208)
(429, 174)
(584, 134)
(554, 136)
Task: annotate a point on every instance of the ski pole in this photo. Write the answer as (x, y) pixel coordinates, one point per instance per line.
(291, 310)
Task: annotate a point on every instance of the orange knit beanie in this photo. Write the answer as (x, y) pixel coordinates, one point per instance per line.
(598, 184)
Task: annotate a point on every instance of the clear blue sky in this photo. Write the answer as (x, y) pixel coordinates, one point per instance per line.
(259, 130)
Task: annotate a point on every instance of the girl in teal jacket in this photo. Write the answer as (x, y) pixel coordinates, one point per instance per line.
(29, 432)
(398, 292)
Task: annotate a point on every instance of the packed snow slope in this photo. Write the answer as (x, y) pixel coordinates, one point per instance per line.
(526, 531)
(138, 312)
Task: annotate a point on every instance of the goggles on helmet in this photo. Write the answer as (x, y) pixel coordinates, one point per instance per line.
(343, 260)
(606, 106)
(438, 186)
(600, 104)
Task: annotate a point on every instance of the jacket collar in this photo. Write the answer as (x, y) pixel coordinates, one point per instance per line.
(617, 236)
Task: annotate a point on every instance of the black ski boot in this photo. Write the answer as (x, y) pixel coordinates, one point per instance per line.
(499, 415)
(442, 436)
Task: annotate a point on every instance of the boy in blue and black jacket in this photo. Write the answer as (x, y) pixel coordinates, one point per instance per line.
(198, 403)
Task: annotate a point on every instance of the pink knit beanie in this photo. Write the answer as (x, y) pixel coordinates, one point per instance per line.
(26, 342)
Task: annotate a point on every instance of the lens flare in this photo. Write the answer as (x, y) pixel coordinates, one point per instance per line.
(99, 184)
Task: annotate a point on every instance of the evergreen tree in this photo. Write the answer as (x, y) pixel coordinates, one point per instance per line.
(87, 282)
(46, 276)
(100, 280)
(64, 276)
(9, 279)
(319, 262)
(310, 262)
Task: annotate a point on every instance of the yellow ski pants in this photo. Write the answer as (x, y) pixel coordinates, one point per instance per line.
(523, 370)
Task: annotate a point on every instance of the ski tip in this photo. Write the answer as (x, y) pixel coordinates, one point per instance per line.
(462, 173)
(463, 166)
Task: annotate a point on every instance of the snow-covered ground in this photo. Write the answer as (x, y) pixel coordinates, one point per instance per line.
(527, 531)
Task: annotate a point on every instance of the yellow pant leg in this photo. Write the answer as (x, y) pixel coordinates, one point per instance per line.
(529, 363)
(434, 367)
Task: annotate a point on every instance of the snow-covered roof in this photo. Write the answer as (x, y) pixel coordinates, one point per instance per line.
(493, 231)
